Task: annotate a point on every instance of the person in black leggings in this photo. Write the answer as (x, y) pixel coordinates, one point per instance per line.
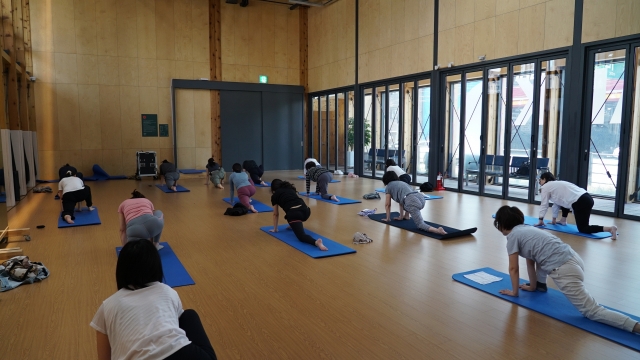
(285, 196)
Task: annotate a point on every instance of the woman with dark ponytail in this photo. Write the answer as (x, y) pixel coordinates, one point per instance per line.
(139, 220)
(296, 211)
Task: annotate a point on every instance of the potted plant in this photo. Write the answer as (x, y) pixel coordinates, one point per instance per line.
(351, 139)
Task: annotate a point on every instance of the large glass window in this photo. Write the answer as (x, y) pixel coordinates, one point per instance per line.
(341, 133)
(606, 118)
(350, 132)
(472, 127)
(496, 122)
(521, 130)
(367, 150)
(322, 134)
(632, 195)
(315, 123)
(423, 126)
(331, 132)
(453, 100)
(406, 155)
(380, 131)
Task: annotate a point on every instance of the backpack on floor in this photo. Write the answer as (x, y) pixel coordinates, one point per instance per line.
(360, 238)
(371, 196)
(237, 210)
(19, 268)
(426, 187)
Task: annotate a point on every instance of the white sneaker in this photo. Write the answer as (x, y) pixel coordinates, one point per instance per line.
(614, 232)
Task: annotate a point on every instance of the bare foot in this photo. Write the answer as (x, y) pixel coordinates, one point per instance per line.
(253, 209)
(320, 246)
(174, 188)
(407, 217)
(219, 186)
(439, 230)
(158, 246)
(614, 232)
(91, 208)
(335, 198)
(67, 218)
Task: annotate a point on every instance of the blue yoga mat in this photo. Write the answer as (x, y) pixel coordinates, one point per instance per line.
(567, 229)
(82, 218)
(304, 177)
(174, 273)
(164, 188)
(256, 204)
(3, 198)
(191, 171)
(554, 304)
(411, 226)
(266, 184)
(343, 201)
(287, 236)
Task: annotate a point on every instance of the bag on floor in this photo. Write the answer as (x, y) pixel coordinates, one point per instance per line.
(19, 268)
(367, 212)
(371, 196)
(426, 187)
(360, 238)
(237, 210)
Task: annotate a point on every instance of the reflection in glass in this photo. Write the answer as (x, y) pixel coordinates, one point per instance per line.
(323, 159)
(394, 125)
(632, 195)
(314, 130)
(424, 123)
(407, 129)
(496, 121)
(549, 119)
(606, 117)
(380, 126)
(341, 123)
(521, 127)
(452, 130)
(331, 131)
(472, 128)
(350, 134)
(367, 151)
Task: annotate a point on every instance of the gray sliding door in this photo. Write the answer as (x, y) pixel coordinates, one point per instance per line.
(282, 130)
(241, 127)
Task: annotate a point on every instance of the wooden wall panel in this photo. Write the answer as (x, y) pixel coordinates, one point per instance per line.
(130, 117)
(202, 119)
(609, 19)
(147, 72)
(149, 105)
(126, 20)
(64, 34)
(41, 26)
(164, 116)
(128, 71)
(85, 27)
(200, 30)
(146, 28)
(106, 24)
(165, 32)
(69, 126)
(182, 24)
(46, 108)
(44, 66)
(89, 115)
(110, 115)
(66, 68)
(87, 66)
(502, 28)
(108, 70)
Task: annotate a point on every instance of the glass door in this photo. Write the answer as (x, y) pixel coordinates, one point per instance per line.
(472, 137)
(453, 100)
(315, 123)
(607, 79)
(367, 150)
(496, 110)
(421, 131)
(331, 148)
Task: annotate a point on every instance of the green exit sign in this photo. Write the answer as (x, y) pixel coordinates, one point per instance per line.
(264, 79)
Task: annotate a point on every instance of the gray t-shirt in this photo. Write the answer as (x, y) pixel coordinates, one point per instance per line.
(398, 190)
(547, 250)
(166, 168)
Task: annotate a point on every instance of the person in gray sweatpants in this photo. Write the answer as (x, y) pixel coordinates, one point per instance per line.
(546, 256)
(322, 177)
(171, 175)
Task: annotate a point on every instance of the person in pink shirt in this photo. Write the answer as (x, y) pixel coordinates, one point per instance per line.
(139, 220)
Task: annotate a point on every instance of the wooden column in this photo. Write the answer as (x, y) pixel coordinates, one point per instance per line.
(18, 42)
(304, 74)
(12, 76)
(215, 61)
(24, 101)
(26, 36)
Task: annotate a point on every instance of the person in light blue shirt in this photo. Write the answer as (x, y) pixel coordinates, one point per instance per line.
(242, 182)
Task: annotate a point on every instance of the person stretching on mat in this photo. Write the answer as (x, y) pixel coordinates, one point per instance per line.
(144, 319)
(322, 177)
(546, 256)
(139, 220)
(241, 181)
(285, 196)
(171, 175)
(216, 174)
(313, 160)
(410, 201)
(72, 191)
(402, 175)
(254, 171)
(566, 196)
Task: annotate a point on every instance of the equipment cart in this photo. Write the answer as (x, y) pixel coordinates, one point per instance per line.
(146, 164)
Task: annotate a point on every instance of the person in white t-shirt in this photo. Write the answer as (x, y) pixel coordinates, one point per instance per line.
(144, 318)
(402, 175)
(313, 160)
(72, 191)
(566, 197)
(546, 256)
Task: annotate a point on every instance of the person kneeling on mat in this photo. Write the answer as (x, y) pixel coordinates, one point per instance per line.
(295, 209)
(546, 256)
(308, 160)
(63, 171)
(144, 319)
(72, 191)
(139, 220)
(255, 171)
(410, 201)
(322, 177)
(402, 175)
(171, 175)
(565, 196)
(246, 189)
(216, 174)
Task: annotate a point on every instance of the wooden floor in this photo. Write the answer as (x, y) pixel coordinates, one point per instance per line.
(261, 299)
